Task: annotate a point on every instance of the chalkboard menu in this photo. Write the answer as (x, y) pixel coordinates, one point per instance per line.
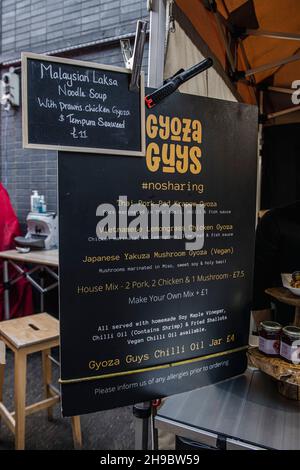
(80, 106)
(142, 317)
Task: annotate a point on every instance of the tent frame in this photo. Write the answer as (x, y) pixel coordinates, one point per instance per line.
(272, 34)
(278, 89)
(235, 36)
(283, 112)
(272, 65)
(232, 39)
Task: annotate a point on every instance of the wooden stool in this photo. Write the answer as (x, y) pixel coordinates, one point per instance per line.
(25, 336)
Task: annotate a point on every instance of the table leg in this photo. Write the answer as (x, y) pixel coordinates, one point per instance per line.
(47, 374)
(76, 430)
(20, 398)
(6, 290)
(2, 367)
(297, 317)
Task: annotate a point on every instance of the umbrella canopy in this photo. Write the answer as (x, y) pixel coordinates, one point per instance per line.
(257, 43)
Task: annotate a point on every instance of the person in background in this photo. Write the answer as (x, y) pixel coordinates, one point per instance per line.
(277, 250)
(20, 292)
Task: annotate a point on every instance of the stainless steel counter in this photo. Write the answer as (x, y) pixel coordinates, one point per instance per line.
(247, 409)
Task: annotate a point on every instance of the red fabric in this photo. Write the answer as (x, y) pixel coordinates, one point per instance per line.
(20, 293)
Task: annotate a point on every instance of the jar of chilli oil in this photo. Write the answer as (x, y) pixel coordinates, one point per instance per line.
(269, 338)
(290, 344)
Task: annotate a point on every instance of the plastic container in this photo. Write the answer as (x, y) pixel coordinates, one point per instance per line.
(34, 201)
(42, 205)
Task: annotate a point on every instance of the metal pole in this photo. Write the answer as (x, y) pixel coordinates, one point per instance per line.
(154, 430)
(283, 112)
(273, 65)
(259, 156)
(225, 42)
(273, 34)
(142, 413)
(157, 42)
(156, 62)
(6, 290)
(277, 89)
(247, 64)
(42, 281)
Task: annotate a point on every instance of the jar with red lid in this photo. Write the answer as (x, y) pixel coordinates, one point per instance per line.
(290, 344)
(269, 338)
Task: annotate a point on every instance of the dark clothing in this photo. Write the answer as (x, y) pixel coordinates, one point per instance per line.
(277, 250)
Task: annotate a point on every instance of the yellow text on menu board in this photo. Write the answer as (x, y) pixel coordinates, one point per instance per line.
(175, 155)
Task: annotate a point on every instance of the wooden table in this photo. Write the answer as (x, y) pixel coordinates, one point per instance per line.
(286, 297)
(43, 261)
(44, 257)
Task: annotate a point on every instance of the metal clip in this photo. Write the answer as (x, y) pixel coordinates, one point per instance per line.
(172, 27)
(133, 61)
(138, 52)
(126, 52)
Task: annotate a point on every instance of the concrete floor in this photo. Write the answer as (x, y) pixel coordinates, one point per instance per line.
(106, 430)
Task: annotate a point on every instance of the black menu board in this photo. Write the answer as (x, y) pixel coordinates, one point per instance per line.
(80, 106)
(150, 317)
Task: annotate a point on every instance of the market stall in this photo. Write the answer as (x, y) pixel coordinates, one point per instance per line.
(255, 46)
